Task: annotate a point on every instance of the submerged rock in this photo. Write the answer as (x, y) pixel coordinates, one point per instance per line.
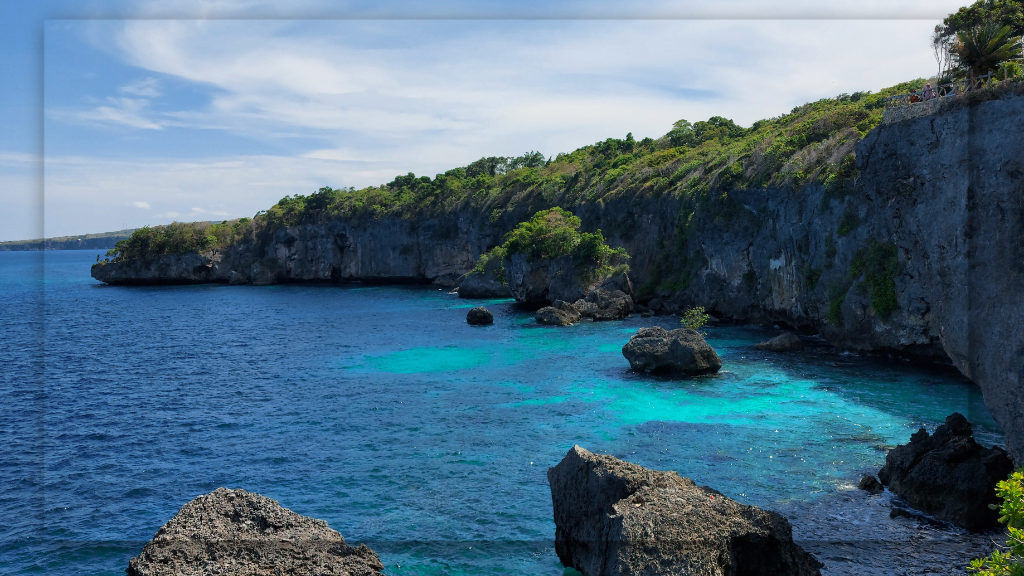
(785, 342)
(948, 474)
(681, 350)
(482, 285)
(559, 314)
(238, 533)
(479, 316)
(613, 517)
(870, 484)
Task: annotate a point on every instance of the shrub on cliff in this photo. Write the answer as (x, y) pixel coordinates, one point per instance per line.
(550, 234)
(1010, 560)
(178, 238)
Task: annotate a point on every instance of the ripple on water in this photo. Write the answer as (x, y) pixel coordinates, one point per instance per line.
(379, 410)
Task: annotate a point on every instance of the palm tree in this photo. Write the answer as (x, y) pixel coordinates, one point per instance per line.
(981, 49)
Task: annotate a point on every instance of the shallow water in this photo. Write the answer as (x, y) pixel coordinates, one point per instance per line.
(379, 410)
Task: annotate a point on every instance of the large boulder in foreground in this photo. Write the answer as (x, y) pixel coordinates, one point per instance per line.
(948, 474)
(613, 517)
(238, 533)
(681, 351)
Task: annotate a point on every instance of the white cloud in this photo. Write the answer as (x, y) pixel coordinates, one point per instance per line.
(123, 111)
(139, 204)
(372, 99)
(149, 87)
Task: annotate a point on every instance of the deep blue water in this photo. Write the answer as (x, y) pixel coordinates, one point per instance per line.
(379, 410)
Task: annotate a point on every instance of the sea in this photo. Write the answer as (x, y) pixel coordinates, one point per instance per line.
(379, 410)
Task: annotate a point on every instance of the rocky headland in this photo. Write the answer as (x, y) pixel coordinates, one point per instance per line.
(898, 239)
(614, 517)
(239, 533)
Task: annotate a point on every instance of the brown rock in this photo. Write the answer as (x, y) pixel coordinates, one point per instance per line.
(238, 533)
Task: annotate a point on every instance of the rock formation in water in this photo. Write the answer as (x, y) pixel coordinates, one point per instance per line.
(479, 316)
(613, 517)
(479, 285)
(238, 533)
(558, 314)
(785, 342)
(681, 351)
(870, 484)
(920, 255)
(948, 474)
(611, 299)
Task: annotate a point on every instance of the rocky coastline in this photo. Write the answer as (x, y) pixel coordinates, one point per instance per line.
(918, 258)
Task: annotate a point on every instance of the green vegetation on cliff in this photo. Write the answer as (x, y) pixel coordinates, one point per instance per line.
(179, 238)
(1010, 560)
(551, 234)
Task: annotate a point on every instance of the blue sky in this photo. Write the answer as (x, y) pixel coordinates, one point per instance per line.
(148, 112)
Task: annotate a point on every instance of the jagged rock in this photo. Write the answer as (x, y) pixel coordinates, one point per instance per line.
(681, 350)
(948, 474)
(870, 484)
(235, 278)
(479, 316)
(785, 342)
(480, 285)
(543, 282)
(613, 517)
(239, 533)
(559, 314)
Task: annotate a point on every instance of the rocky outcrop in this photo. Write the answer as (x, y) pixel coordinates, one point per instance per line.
(541, 282)
(920, 256)
(558, 314)
(785, 342)
(870, 484)
(480, 285)
(238, 533)
(948, 474)
(681, 351)
(479, 316)
(613, 517)
(611, 299)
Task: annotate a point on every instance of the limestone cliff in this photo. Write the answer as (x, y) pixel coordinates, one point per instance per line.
(922, 256)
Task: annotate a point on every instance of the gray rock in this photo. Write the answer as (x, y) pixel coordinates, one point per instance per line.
(948, 474)
(560, 314)
(870, 484)
(681, 350)
(479, 316)
(785, 342)
(613, 517)
(479, 285)
(238, 533)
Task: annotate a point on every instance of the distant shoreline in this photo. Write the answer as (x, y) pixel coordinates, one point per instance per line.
(100, 241)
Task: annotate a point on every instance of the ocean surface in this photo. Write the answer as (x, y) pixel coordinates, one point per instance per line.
(379, 410)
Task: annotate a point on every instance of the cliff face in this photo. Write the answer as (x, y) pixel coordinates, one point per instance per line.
(923, 256)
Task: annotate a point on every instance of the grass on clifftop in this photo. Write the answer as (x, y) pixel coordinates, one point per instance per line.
(179, 238)
(701, 161)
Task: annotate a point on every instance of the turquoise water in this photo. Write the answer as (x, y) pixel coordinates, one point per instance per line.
(379, 410)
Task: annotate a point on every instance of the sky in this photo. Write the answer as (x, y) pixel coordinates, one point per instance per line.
(124, 114)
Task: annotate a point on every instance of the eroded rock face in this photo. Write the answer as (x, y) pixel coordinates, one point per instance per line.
(785, 342)
(948, 474)
(479, 316)
(613, 517)
(479, 285)
(238, 533)
(681, 350)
